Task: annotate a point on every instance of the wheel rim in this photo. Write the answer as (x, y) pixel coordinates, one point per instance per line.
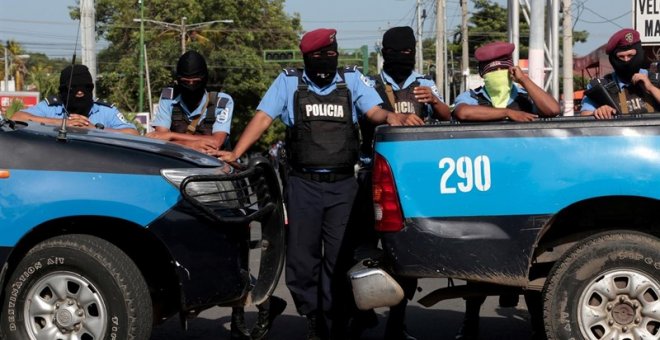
(64, 305)
(620, 304)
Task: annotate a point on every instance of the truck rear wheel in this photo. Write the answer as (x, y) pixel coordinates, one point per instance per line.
(76, 287)
(605, 287)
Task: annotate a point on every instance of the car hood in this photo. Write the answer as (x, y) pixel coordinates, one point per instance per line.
(122, 140)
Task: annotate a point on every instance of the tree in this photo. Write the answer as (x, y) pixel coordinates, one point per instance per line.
(233, 51)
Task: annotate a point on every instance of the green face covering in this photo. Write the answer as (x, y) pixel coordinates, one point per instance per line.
(498, 86)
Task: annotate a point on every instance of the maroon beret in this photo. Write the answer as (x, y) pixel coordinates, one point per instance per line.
(623, 38)
(317, 39)
(494, 51)
(493, 56)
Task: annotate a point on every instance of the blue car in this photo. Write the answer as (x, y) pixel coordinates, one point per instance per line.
(104, 235)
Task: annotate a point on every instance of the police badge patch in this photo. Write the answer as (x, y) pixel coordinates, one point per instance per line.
(222, 116)
(367, 81)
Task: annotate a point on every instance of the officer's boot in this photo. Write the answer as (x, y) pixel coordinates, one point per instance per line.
(395, 328)
(268, 311)
(313, 331)
(238, 328)
(470, 328)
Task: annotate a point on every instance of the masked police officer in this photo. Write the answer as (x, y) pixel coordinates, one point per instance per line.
(405, 91)
(188, 114)
(629, 89)
(320, 106)
(75, 99)
(507, 94)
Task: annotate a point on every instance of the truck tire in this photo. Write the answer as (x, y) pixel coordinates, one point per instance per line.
(76, 287)
(605, 287)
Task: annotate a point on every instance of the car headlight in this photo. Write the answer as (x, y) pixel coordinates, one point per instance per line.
(209, 186)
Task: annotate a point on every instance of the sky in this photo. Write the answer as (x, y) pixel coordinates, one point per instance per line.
(45, 26)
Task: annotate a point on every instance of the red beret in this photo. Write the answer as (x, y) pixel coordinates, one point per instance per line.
(494, 51)
(317, 39)
(623, 38)
(493, 56)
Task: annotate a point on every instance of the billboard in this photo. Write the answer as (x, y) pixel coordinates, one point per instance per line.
(646, 20)
(28, 99)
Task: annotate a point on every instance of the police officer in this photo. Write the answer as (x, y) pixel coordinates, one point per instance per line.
(320, 106)
(188, 114)
(404, 91)
(507, 94)
(75, 98)
(628, 86)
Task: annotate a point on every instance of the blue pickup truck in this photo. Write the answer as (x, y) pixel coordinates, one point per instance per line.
(103, 235)
(569, 207)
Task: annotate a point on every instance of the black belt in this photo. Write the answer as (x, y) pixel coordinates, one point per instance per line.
(332, 176)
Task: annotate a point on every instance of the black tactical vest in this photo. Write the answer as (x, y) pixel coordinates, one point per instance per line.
(631, 99)
(180, 121)
(323, 135)
(520, 103)
(404, 99)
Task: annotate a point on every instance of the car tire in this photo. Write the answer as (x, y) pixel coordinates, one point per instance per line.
(76, 286)
(605, 287)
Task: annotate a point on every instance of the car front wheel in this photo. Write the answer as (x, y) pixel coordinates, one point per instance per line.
(76, 287)
(606, 287)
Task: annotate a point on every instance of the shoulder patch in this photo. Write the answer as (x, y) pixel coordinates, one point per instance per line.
(351, 68)
(367, 81)
(291, 72)
(222, 116)
(435, 91)
(122, 118)
(103, 103)
(167, 93)
(53, 101)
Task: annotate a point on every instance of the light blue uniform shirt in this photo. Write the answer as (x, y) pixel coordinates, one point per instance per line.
(466, 98)
(109, 116)
(278, 100)
(222, 116)
(589, 105)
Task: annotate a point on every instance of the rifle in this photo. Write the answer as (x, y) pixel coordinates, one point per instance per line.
(601, 93)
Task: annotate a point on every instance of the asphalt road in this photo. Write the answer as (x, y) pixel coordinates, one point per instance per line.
(439, 322)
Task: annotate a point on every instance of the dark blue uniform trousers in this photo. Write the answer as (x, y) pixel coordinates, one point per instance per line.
(318, 213)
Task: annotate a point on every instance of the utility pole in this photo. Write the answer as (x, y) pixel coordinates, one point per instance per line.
(183, 35)
(183, 27)
(568, 59)
(536, 43)
(420, 48)
(88, 39)
(465, 61)
(6, 67)
(141, 64)
(440, 45)
(514, 28)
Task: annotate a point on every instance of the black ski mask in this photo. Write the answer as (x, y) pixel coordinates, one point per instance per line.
(76, 87)
(192, 65)
(322, 68)
(399, 53)
(626, 69)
